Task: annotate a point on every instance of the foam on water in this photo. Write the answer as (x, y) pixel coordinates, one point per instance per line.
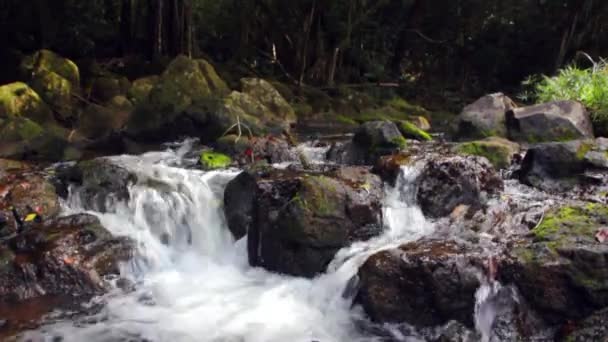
(199, 286)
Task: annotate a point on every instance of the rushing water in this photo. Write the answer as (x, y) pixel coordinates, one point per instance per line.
(192, 281)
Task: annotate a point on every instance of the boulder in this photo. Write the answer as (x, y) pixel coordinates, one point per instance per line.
(372, 140)
(22, 138)
(163, 114)
(389, 167)
(267, 95)
(98, 121)
(498, 151)
(484, 118)
(106, 87)
(561, 269)
(424, 283)
(244, 150)
(46, 60)
(447, 182)
(296, 222)
(215, 82)
(56, 91)
(141, 88)
(26, 191)
(98, 182)
(559, 165)
(19, 100)
(63, 256)
(552, 121)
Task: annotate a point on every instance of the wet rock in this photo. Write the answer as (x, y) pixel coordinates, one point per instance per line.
(558, 165)
(296, 222)
(592, 328)
(560, 268)
(552, 121)
(447, 182)
(497, 150)
(372, 140)
(27, 191)
(245, 150)
(68, 255)
(485, 117)
(98, 182)
(389, 167)
(424, 283)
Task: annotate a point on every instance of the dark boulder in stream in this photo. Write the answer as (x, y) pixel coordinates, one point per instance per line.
(424, 283)
(447, 182)
(372, 140)
(560, 166)
(295, 221)
(98, 181)
(561, 268)
(63, 256)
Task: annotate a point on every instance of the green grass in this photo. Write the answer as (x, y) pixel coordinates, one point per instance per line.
(589, 86)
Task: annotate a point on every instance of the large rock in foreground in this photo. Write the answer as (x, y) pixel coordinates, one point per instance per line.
(563, 270)
(498, 151)
(447, 182)
(64, 256)
(424, 283)
(485, 117)
(560, 165)
(296, 222)
(552, 121)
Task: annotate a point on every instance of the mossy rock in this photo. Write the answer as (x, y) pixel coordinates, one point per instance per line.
(215, 82)
(214, 160)
(497, 150)
(141, 88)
(56, 91)
(181, 84)
(19, 100)
(104, 88)
(22, 138)
(98, 121)
(46, 60)
(409, 130)
(560, 268)
(266, 94)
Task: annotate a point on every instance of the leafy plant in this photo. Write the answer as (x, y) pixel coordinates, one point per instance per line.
(589, 86)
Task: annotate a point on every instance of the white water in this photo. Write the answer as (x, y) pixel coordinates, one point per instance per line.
(206, 291)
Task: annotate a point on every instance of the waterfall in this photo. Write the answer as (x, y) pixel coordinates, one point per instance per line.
(192, 280)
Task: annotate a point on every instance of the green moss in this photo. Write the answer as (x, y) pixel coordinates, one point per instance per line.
(213, 160)
(568, 221)
(401, 105)
(29, 130)
(583, 150)
(46, 60)
(497, 151)
(140, 89)
(215, 82)
(318, 194)
(345, 120)
(400, 142)
(410, 130)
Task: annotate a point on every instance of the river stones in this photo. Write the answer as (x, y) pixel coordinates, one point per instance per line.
(64, 256)
(295, 221)
(447, 182)
(424, 283)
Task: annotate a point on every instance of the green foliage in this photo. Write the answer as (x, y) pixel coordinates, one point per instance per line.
(589, 86)
(410, 130)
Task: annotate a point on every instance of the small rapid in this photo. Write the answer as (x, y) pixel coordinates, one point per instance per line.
(191, 281)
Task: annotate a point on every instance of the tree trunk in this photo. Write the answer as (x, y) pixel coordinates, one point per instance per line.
(126, 26)
(187, 27)
(304, 47)
(157, 30)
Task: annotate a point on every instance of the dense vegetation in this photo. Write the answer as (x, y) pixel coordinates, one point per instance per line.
(470, 46)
